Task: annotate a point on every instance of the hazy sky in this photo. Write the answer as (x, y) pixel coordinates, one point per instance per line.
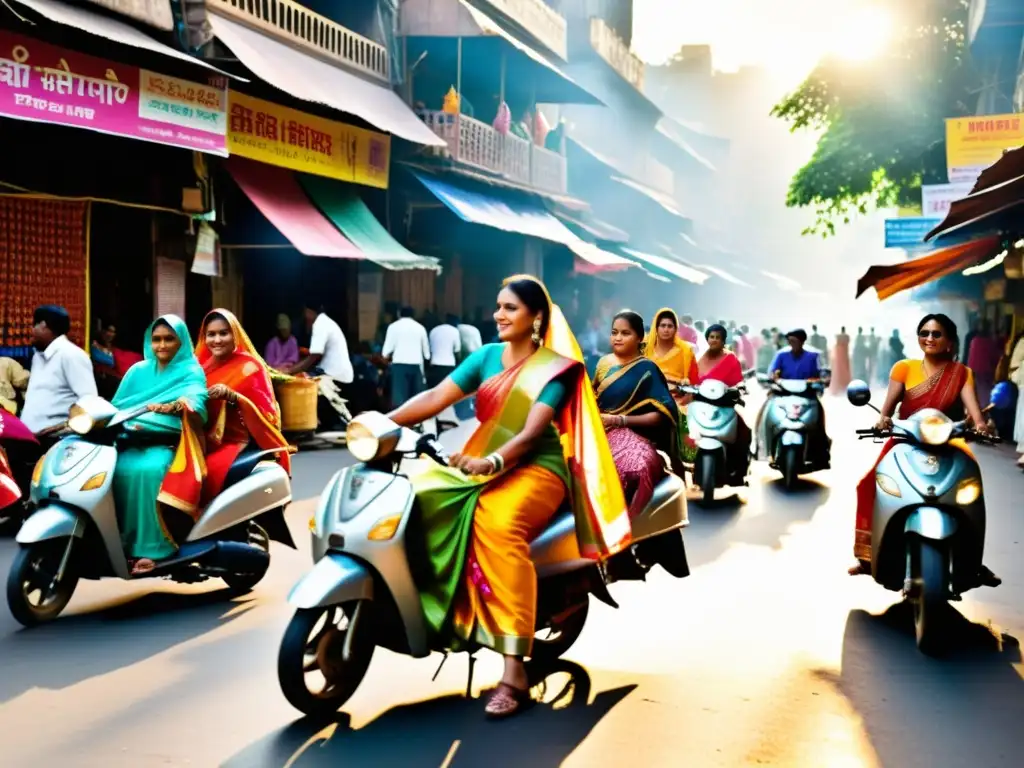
(787, 36)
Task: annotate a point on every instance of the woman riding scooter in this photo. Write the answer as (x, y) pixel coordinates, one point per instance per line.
(939, 382)
(531, 387)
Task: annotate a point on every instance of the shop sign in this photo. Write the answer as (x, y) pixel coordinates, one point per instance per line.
(975, 143)
(936, 199)
(908, 232)
(276, 135)
(156, 13)
(43, 83)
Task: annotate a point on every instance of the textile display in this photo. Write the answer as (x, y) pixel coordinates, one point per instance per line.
(43, 260)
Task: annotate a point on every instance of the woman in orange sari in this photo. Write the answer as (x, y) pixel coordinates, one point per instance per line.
(242, 407)
(678, 361)
(540, 441)
(938, 381)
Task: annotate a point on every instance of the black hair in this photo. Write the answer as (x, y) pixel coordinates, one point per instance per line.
(316, 306)
(452, 319)
(948, 327)
(56, 318)
(665, 314)
(716, 328)
(636, 322)
(531, 292)
(407, 311)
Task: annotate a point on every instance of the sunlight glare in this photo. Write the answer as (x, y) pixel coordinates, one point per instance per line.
(862, 35)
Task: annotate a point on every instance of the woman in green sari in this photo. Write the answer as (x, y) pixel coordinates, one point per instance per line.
(539, 428)
(172, 384)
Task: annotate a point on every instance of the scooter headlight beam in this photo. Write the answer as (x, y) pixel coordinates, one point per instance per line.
(935, 429)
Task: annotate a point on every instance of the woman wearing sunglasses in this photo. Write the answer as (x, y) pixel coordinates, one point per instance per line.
(937, 381)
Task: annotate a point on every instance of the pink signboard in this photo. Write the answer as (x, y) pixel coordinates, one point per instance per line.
(44, 83)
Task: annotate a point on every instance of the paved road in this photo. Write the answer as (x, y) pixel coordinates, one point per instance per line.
(767, 655)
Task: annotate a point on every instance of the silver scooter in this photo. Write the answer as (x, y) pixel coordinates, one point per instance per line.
(714, 426)
(74, 533)
(928, 524)
(787, 422)
(367, 549)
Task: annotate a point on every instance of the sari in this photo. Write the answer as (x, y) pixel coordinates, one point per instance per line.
(253, 416)
(679, 365)
(727, 370)
(160, 463)
(940, 391)
(638, 388)
(481, 587)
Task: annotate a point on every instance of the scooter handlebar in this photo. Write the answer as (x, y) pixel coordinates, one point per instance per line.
(430, 446)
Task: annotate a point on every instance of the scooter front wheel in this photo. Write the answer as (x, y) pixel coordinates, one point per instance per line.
(930, 574)
(315, 676)
(34, 594)
(707, 475)
(789, 465)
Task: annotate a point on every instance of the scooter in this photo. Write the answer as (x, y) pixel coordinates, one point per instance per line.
(74, 533)
(17, 445)
(928, 524)
(362, 592)
(714, 425)
(787, 423)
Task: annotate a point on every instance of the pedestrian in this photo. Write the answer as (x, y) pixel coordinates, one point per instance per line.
(982, 358)
(407, 347)
(861, 353)
(445, 347)
(60, 375)
(328, 359)
(686, 330)
(469, 339)
(819, 343)
(841, 363)
(282, 351)
(1016, 371)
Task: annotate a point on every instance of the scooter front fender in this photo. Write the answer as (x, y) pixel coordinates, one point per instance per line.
(790, 437)
(335, 579)
(50, 522)
(931, 523)
(710, 445)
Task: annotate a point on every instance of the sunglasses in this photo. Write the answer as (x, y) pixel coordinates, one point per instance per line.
(932, 334)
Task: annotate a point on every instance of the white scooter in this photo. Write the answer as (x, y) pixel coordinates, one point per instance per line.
(362, 591)
(714, 426)
(74, 533)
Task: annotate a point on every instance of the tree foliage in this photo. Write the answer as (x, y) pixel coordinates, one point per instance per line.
(883, 121)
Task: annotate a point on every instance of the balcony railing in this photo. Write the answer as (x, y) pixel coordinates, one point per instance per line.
(609, 46)
(291, 22)
(477, 144)
(537, 18)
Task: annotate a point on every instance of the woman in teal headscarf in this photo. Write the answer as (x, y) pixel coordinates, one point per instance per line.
(172, 384)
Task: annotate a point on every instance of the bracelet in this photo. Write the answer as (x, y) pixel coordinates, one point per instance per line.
(497, 462)
(622, 421)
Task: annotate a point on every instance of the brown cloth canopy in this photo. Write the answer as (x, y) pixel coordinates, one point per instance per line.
(1000, 187)
(890, 280)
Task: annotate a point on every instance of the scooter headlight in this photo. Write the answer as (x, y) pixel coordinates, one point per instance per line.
(967, 492)
(935, 429)
(361, 442)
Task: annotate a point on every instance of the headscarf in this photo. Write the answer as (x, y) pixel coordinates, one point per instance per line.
(146, 383)
(677, 364)
(503, 120)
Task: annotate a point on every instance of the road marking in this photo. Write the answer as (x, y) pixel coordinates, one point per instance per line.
(451, 753)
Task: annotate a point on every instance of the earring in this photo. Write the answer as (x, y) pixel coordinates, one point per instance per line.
(536, 331)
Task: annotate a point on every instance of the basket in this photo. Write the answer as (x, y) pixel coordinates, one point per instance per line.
(297, 399)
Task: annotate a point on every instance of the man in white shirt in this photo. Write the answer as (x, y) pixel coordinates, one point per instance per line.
(445, 346)
(408, 348)
(328, 356)
(469, 335)
(61, 373)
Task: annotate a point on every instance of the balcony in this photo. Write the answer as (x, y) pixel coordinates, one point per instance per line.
(477, 144)
(291, 22)
(609, 46)
(541, 21)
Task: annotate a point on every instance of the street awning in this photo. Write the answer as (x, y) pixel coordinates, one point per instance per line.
(665, 201)
(345, 209)
(894, 278)
(999, 188)
(278, 196)
(111, 29)
(673, 147)
(596, 228)
(311, 79)
(683, 271)
(598, 259)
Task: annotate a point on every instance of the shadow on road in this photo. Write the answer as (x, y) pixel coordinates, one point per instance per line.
(964, 709)
(109, 638)
(449, 731)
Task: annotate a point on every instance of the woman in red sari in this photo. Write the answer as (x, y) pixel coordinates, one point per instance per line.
(242, 406)
(718, 363)
(938, 381)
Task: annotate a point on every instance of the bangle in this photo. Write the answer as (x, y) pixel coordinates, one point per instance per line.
(622, 421)
(497, 462)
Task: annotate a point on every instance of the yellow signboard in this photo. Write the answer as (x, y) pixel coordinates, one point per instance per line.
(974, 143)
(288, 138)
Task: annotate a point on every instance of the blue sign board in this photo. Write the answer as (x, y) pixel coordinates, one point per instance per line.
(909, 231)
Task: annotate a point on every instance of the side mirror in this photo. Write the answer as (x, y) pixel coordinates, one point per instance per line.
(858, 393)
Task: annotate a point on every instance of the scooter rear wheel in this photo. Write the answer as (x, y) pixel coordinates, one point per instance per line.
(551, 643)
(31, 594)
(313, 646)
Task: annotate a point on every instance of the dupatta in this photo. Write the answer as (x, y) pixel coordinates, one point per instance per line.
(680, 364)
(727, 370)
(248, 376)
(182, 379)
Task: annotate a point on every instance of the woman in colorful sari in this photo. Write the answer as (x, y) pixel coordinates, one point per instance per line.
(718, 363)
(242, 407)
(938, 381)
(147, 486)
(677, 360)
(638, 412)
(539, 428)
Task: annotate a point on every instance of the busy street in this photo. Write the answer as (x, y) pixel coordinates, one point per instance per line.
(768, 654)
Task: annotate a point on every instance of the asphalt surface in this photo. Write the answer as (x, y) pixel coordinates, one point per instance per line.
(768, 654)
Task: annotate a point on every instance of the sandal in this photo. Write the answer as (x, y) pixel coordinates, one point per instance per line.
(507, 701)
